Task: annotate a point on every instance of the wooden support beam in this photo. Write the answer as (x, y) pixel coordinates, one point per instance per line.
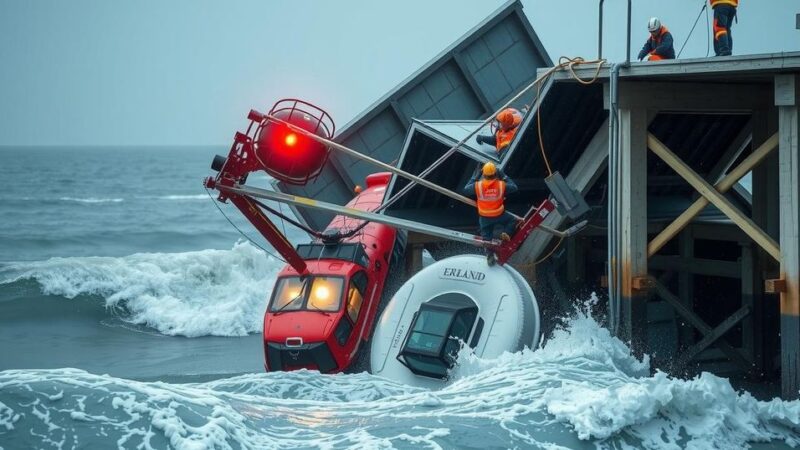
(696, 266)
(702, 327)
(717, 199)
(413, 259)
(685, 280)
(719, 232)
(787, 98)
(694, 97)
(576, 261)
(721, 187)
(765, 213)
(712, 336)
(641, 284)
(753, 324)
(633, 224)
(776, 286)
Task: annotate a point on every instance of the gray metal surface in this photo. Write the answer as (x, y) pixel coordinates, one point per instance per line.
(758, 68)
(467, 81)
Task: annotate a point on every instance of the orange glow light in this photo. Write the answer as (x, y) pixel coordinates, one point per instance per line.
(291, 139)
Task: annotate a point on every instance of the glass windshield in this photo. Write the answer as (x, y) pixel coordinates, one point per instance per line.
(288, 295)
(326, 294)
(312, 293)
(430, 330)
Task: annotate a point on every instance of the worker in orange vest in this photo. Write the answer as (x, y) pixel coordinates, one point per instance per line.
(660, 43)
(490, 187)
(508, 121)
(724, 14)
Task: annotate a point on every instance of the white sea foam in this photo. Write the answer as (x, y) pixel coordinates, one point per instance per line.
(184, 197)
(91, 200)
(7, 417)
(208, 292)
(582, 389)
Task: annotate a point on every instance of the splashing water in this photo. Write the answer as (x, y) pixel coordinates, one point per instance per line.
(200, 293)
(581, 389)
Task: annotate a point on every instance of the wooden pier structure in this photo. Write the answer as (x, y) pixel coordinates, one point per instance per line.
(691, 167)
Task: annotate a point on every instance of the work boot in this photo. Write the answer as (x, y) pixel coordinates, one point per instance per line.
(490, 259)
(505, 237)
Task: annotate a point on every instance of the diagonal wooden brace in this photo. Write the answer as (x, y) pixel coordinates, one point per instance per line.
(702, 326)
(712, 195)
(723, 186)
(712, 336)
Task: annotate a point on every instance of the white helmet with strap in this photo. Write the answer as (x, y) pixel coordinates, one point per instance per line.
(653, 24)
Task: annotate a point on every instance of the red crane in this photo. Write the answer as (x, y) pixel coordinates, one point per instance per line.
(325, 301)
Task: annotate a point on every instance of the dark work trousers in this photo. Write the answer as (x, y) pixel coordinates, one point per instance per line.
(488, 224)
(723, 21)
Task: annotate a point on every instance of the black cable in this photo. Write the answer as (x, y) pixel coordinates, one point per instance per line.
(315, 233)
(283, 224)
(240, 231)
(693, 27)
(308, 230)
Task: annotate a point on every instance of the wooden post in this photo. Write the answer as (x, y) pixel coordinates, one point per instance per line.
(633, 226)
(764, 200)
(787, 98)
(686, 284)
(752, 325)
(414, 259)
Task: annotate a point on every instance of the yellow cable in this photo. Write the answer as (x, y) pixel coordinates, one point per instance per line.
(568, 63)
(555, 247)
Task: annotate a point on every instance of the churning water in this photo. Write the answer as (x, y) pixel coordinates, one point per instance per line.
(130, 313)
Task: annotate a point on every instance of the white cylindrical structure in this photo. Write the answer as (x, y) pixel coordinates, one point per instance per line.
(491, 309)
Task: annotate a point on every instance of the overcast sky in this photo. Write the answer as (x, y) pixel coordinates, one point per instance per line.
(185, 72)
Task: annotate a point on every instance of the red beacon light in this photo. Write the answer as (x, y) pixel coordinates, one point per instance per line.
(288, 155)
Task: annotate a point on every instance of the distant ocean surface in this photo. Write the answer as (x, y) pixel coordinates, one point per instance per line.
(130, 313)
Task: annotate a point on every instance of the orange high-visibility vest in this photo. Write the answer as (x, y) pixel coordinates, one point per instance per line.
(491, 194)
(733, 3)
(509, 119)
(656, 42)
(504, 137)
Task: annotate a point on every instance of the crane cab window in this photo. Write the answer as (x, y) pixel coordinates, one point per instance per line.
(318, 293)
(355, 295)
(325, 294)
(289, 295)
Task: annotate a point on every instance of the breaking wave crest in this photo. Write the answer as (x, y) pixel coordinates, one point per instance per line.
(184, 197)
(208, 292)
(582, 389)
(91, 200)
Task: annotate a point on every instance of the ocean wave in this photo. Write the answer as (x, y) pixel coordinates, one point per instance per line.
(91, 200)
(184, 197)
(581, 389)
(201, 293)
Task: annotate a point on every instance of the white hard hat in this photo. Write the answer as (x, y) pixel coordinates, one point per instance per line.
(653, 24)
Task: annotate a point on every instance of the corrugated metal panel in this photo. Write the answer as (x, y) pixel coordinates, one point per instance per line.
(468, 80)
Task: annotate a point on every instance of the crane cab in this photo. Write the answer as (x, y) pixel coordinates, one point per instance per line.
(321, 320)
